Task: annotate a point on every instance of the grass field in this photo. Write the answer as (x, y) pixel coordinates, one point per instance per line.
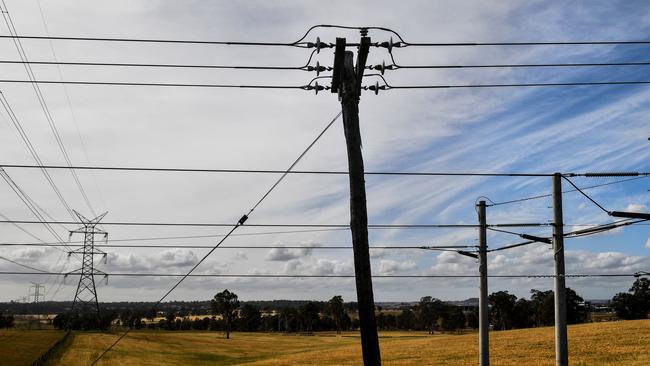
(610, 343)
(23, 347)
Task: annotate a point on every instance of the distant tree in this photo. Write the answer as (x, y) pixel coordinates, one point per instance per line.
(336, 310)
(501, 312)
(250, 318)
(170, 321)
(429, 310)
(452, 318)
(543, 307)
(523, 314)
(472, 318)
(576, 311)
(6, 321)
(309, 315)
(634, 304)
(225, 303)
(406, 319)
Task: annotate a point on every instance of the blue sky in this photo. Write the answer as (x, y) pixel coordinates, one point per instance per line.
(575, 129)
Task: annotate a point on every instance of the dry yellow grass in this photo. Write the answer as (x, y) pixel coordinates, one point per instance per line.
(23, 347)
(612, 343)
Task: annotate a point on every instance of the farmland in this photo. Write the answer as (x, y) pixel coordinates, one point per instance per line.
(621, 343)
(23, 347)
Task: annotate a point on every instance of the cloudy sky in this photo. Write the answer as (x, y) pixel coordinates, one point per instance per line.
(575, 129)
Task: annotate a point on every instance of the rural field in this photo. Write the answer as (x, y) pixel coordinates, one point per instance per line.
(23, 347)
(610, 343)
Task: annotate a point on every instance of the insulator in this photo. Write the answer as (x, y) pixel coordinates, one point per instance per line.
(382, 67)
(317, 69)
(105, 258)
(242, 220)
(612, 174)
(375, 88)
(106, 278)
(64, 277)
(318, 44)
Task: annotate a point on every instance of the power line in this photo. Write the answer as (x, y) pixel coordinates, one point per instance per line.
(514, 85)
(271, 171)
(586, 195)
(153, 40)
(239, 223)
(198, 236)
(496, 66)
(566, 191)
(41, 99)
(371, 226)
(23, 265)
(305, 67)
(188, 85)
(32, 151)
(310, 247)
(636, 274)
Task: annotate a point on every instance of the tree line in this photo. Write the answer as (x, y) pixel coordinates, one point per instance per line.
(228, 314)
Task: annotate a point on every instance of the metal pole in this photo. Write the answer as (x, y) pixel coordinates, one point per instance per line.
(483, 314)
(561, 342)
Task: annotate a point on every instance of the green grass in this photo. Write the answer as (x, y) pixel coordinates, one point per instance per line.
(23, 347)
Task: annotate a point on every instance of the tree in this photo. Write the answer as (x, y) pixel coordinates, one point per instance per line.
(225, 303)
(406, 319)
(336, 310)
(634, 304)
(543, 307)
(309, 316)
(429, 310)
(576, 311)
(523, 315)
(250, 318)
(503, 305)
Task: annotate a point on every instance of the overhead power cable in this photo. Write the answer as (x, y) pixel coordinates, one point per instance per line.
(249, 246)
(238, 224)
(223, 275)
(376, 88)
(565, 191)
(32, 151)
(183, 237)
(42, 102)
(371, 226)
(271, 171)
(305, 67)
(496, 66)
(23, 265)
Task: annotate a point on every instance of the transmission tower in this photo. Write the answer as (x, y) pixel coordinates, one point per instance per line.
(36, 294)
(85, 298)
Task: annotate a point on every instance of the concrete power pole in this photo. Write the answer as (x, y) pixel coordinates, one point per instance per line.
(85, 298)
(561, 343)
(346, 81)
(483, 313)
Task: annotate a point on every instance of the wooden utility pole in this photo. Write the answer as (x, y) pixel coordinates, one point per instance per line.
(346, 81)
(561, 343)
(483, 314)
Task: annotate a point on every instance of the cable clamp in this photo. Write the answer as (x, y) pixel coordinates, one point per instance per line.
(242, 220)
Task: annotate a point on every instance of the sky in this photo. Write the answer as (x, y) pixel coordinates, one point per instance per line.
(541, 130)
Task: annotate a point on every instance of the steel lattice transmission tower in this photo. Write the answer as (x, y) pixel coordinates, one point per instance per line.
(85, 298)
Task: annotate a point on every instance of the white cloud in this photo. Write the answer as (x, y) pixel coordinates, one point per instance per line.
(388, 266)
(636, 207)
